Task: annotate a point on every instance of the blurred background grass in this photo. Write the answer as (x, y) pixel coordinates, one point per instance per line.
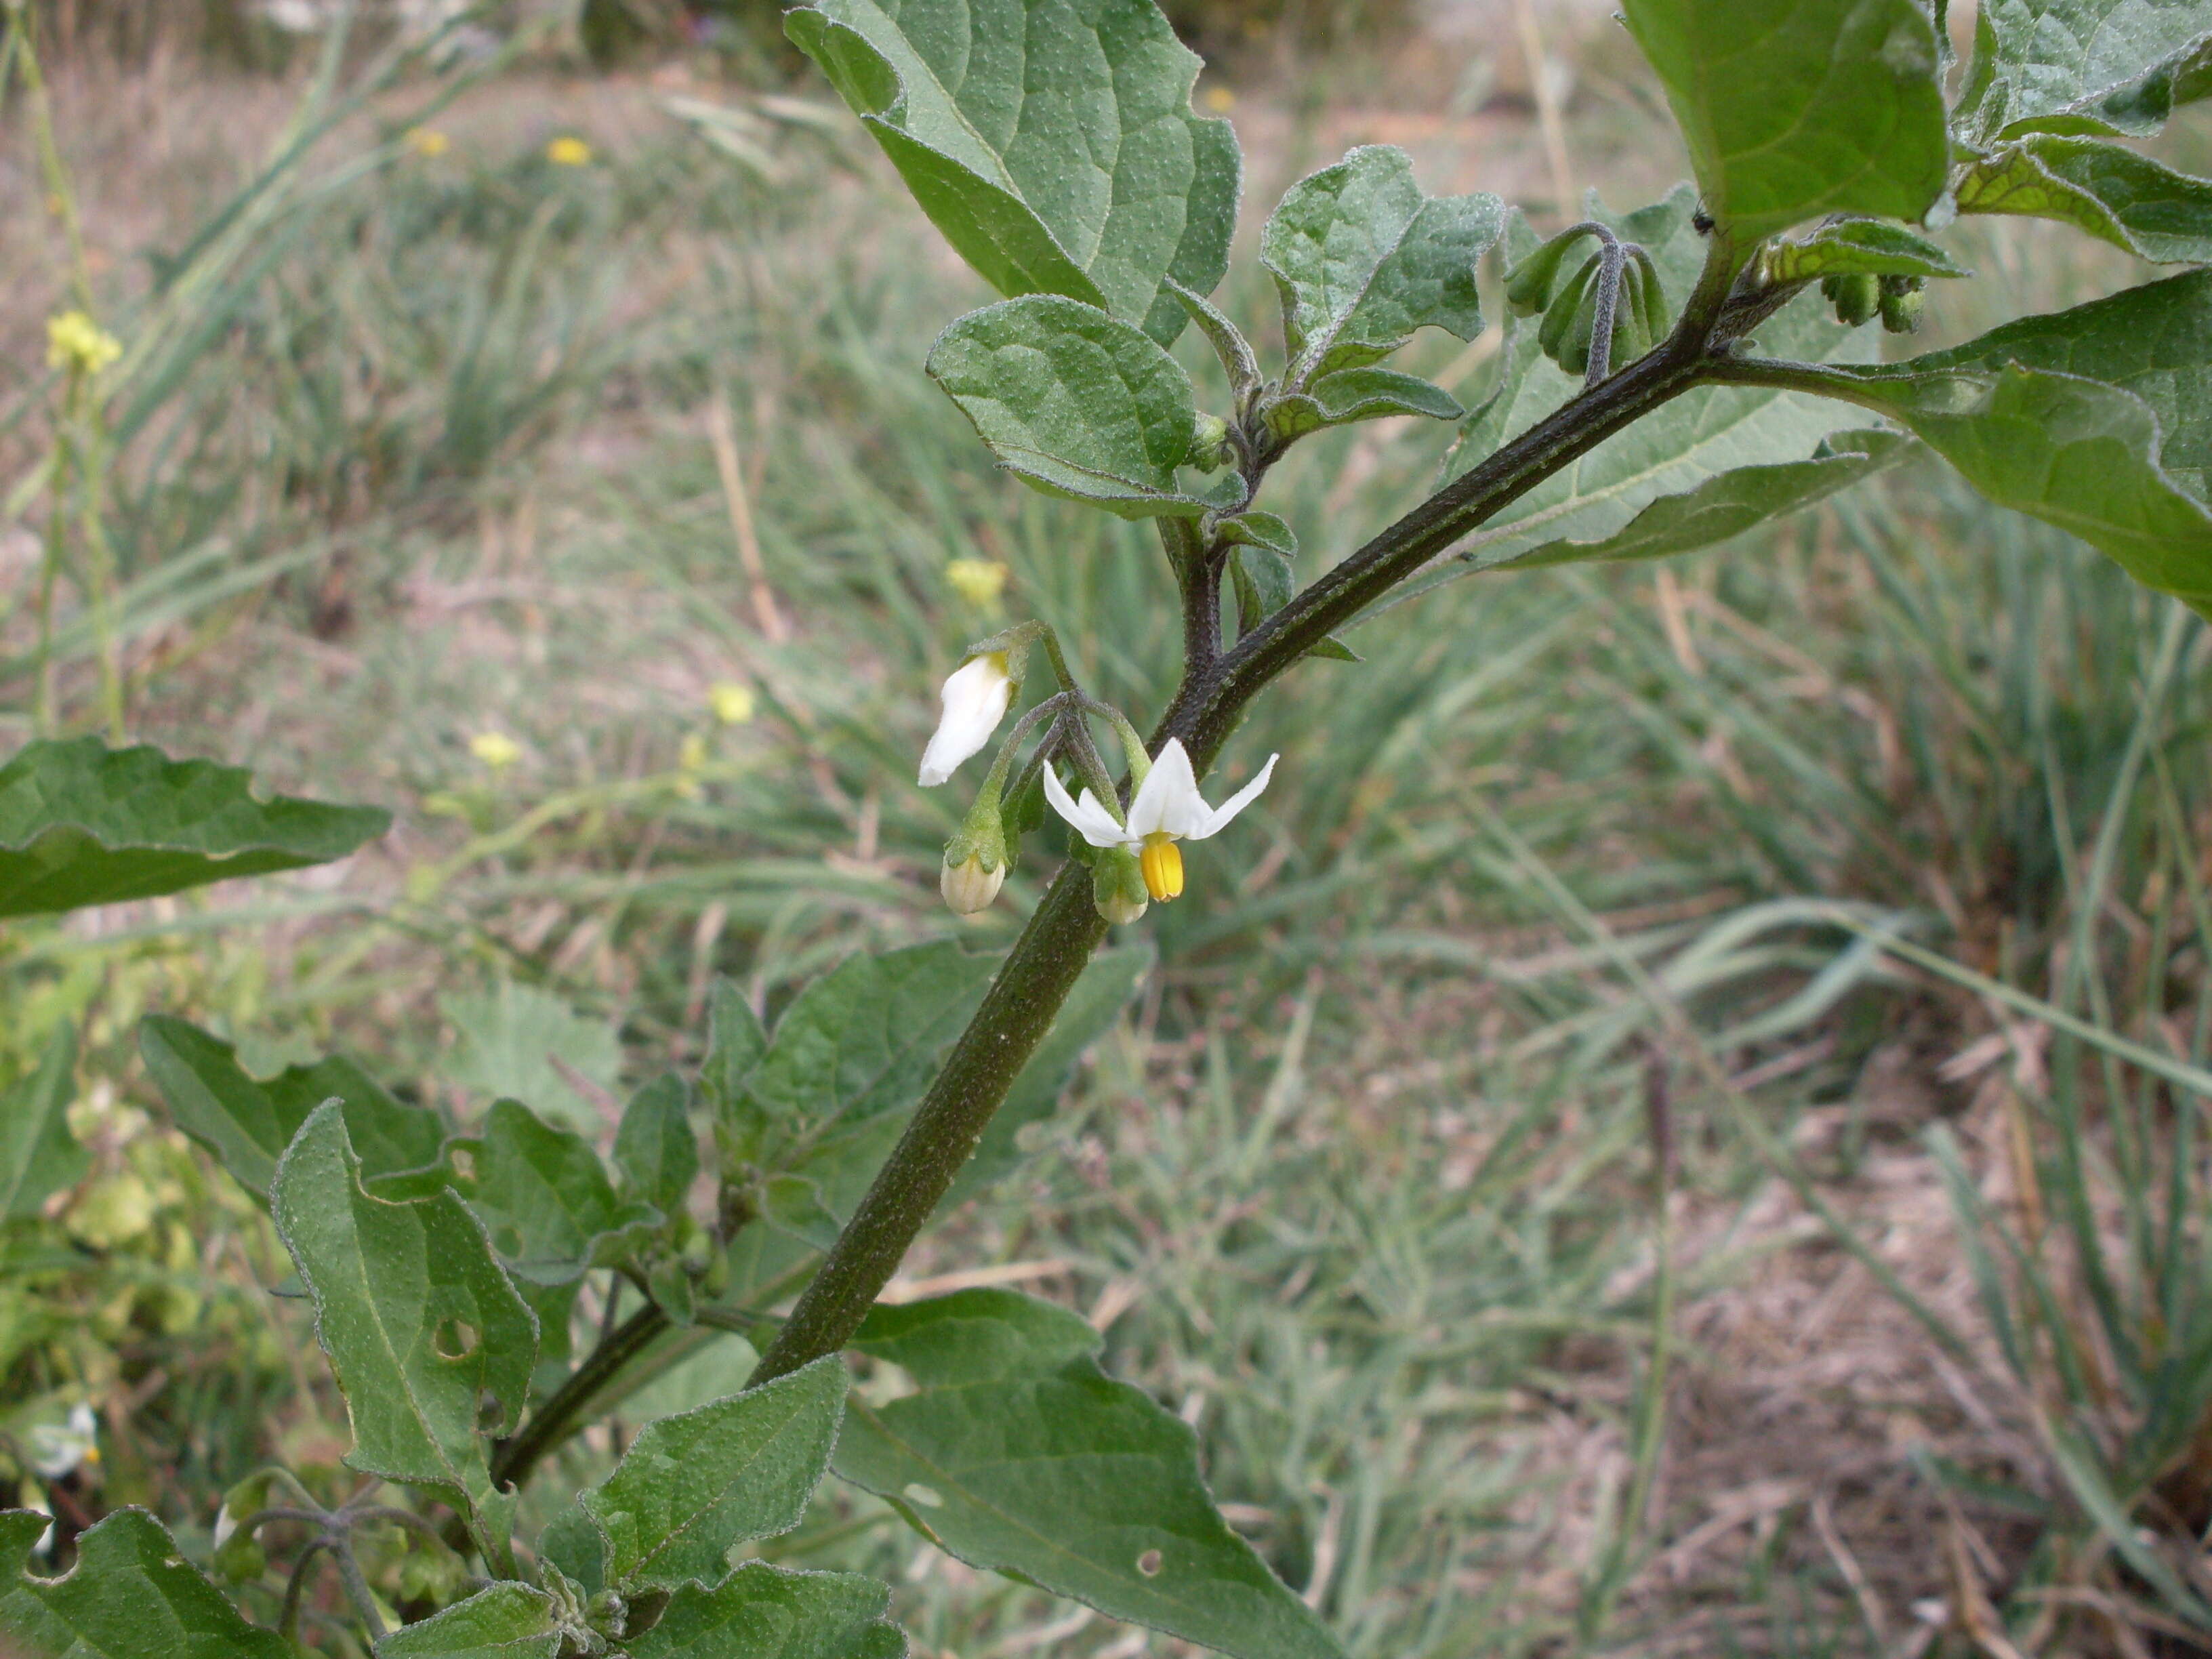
(428, 438)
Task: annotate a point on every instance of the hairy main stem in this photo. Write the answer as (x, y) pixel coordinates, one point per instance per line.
(1065, 929)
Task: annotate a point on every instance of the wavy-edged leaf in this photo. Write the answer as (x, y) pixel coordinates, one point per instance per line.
(130, 1596)
(422, 1328)
(1873, 247)
(1051, 141)
(1728, 503)
(2085, 66)
(1017, 1453)
(1359, 394)
(82, 823)
(692, 1487)
(508, 1621)
(1698, 436)
(246, 1123)
(2107, 189)
(546, 1198)
(2098, 419)
(1796, 108)
(1363, 259)
(38, 1156)
(510, 1037)
(764, 1612)
(1073, 403)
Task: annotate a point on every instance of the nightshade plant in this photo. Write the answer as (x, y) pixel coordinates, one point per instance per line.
(1668, 377)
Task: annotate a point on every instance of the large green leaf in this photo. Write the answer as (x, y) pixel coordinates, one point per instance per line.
(1870, 247)
(506, 1621)
(1051, 141)
(1795, 108)
(761, 1612)
(2098, 419)
(1017, 1453)
(512, 1036)
(2107, 189)
(431, 1345)
(546, 1198)
(1700, 437)
(38, 1156)
(130, 1596)
(1073, 403)
(1363, 259)
(654, 1149)
(692, 1487)
(2086, 66)
(247, 1123)
(82, 823)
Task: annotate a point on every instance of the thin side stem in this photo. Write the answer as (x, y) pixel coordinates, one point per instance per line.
(356, 1589)
(560, 1416)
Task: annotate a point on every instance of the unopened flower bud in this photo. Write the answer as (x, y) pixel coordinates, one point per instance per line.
(1209, 444)
(1117, 885)
(975, 857)
(968, 887)
(1855, 295)
(1903, 300)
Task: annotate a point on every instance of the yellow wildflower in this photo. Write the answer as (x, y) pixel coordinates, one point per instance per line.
(979, 581)
(1220, 99)
(74, 342)
(733, 703)
(566, 152)
(495, 750)
(427, 142)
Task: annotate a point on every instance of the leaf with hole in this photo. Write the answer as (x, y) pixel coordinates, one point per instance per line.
(691, 1487)
(1073, 403)
(764, 1612)
(2086, 66)
(246, 1123)
(38, 1156)
(82, 824)
(505, 1621)
(422, 1328)
(1363, 260)
(129, 1595)
(1018, 1453)
(1796, 108)
(1053, 144)
(2107, 189)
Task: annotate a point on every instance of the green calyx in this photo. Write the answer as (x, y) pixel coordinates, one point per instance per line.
(1117, 885)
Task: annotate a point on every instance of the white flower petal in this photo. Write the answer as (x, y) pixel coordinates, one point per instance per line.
(1167, 800)
(1091, 821)
(1218, 817)
(976, 698)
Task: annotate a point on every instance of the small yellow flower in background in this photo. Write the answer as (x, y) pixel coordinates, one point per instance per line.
(568, 153)
(979, 581)
(427, 142)
(74, 342)
(495, 750)
(733, 703)
(1220, 99)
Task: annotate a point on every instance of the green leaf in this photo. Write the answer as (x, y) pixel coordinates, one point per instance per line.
(1796, 108)
(510, 1038)
(1363, 259)
(1699, 436)
(735, 1043)
(247, 1124)
(545, 1197)
(2085, 66)
(1261, 531)
(507, 1621)
(1238, 361)
(422, 1328)
(82, 823)
(1073, 403)
(1018, 1453)
(691, 1487)
(130, 1596)
(1871, 246)
(762, 1612)
(1359, 394)
(2107, 189)
(1728, 503)
(2098, 419)
(38, 1156)
(1054, 146)
(654, 1148)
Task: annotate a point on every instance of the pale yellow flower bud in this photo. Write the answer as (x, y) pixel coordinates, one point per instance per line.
(733, 703)
(495, 750)
(968, 887)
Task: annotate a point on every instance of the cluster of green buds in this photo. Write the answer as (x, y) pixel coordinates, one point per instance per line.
(1132, 854)
(1859, 296)
(1610, 309)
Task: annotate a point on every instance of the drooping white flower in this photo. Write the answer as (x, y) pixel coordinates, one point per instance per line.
(59, 1449)
(976, 698)
(1167, 809)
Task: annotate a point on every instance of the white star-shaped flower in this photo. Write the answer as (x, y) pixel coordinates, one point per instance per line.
(1167, 809)
(975, 699)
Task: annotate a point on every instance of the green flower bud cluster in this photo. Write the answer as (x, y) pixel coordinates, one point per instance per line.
(1859, 296)
(1210, 449)
(1571, 308)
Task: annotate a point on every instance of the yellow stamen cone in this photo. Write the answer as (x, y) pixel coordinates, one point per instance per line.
(1162, 863)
